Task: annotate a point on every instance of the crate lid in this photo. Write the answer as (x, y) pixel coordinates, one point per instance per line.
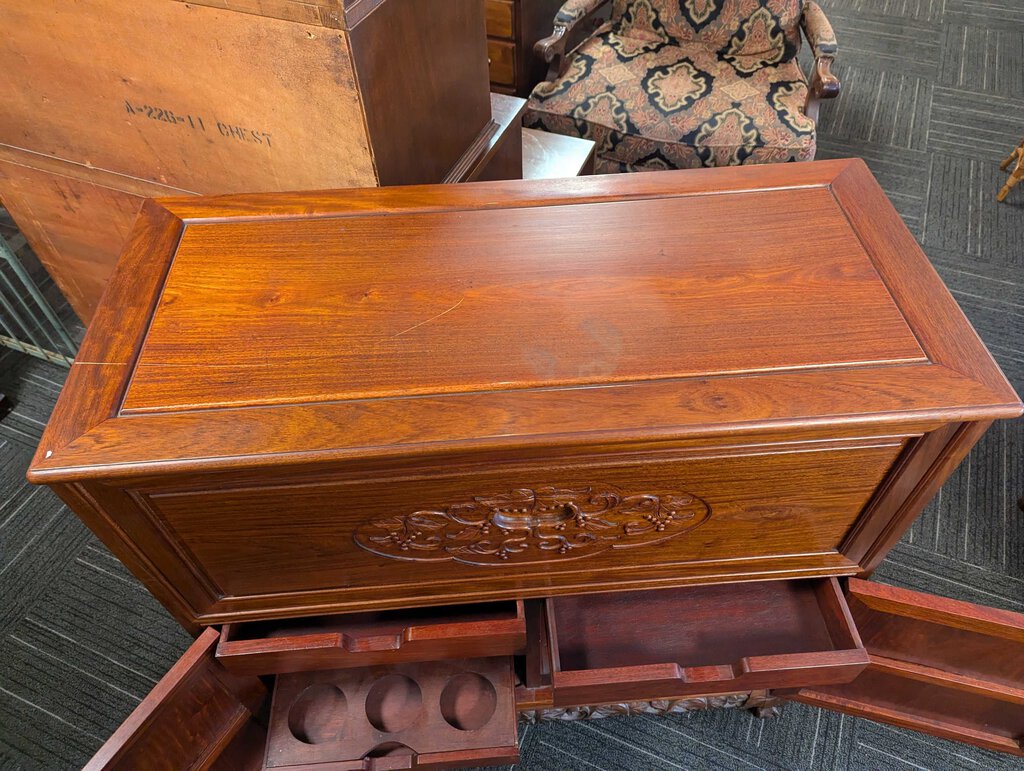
(285, 328)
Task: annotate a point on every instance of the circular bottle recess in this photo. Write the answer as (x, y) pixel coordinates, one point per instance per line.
(393, 703)
(318, 715)
(388, 750)
(468, 701)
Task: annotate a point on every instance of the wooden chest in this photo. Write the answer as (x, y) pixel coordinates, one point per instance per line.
(623, 432)
(109, 102)
(384, 398)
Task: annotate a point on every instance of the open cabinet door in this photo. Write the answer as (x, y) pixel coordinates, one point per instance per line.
(948, 668)
(198, 716)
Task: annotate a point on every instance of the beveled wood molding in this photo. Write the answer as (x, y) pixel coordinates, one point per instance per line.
(920, 293)
(119, 328)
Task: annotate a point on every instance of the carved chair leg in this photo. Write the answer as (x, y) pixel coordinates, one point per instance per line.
(1012, 157)
(1011, 183)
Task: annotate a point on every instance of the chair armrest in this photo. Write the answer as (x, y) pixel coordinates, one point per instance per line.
(818, 31)
(570, 18)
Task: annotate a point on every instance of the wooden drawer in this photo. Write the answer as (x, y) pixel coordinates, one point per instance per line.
(502, 58)
(500, 18)
(365, 639)
(441, 715)
(711, 639)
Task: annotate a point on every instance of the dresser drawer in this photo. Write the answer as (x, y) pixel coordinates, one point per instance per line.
(702, 640)
(365, 639)
(452, 714)
(499, 18)
(502, 57)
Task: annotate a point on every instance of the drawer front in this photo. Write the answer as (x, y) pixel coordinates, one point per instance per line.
(499, 18)
(511, 531)
(370, 639)
(672, 643)
(502, 57)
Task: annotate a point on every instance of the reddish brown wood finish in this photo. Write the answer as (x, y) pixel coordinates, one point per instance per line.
(787, 397)
(189, 718)
(716, 639)
(431, 715)
(365, 639)
(948, 668)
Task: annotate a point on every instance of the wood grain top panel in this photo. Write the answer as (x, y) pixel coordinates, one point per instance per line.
(324, 309)
(264, 330)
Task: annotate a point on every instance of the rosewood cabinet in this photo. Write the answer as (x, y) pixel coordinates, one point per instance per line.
(593, 446)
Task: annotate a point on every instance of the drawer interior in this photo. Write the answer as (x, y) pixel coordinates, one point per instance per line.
(672, 642)
(702, 626)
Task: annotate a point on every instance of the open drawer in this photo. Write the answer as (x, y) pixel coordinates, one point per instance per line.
(944, 667)
(445, 714)
(703, 640)
(366, 639)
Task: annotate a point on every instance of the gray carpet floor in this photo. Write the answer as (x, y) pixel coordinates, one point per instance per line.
(933, 99)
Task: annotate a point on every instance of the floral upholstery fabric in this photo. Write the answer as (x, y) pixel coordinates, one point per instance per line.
(572, 10)
(685, 83)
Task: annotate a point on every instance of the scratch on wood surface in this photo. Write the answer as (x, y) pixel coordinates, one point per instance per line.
(432, 318)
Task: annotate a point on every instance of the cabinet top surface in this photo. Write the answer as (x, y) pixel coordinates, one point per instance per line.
(632, 306)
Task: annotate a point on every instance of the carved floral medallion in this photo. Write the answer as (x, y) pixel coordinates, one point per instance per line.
(527, 526)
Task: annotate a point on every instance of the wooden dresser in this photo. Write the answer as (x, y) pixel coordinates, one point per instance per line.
(513, 27)
(437, 455)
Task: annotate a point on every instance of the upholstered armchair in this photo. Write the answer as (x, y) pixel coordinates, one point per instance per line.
(675, 84)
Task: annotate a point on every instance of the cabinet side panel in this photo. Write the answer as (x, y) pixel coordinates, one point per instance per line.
(422, 70)
(180, 597)
(914, 481)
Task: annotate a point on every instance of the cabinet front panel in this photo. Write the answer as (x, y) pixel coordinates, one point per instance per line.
(528, 527)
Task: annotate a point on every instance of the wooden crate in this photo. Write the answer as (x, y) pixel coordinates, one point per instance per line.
(110, 102)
